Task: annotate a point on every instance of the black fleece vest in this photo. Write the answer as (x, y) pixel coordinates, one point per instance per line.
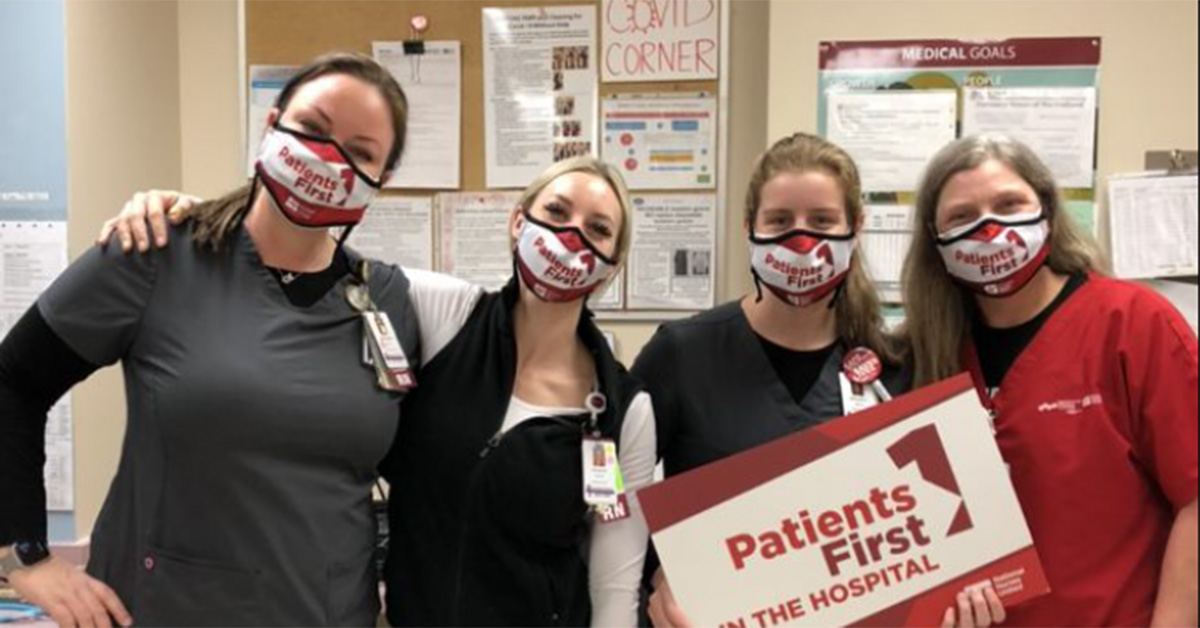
(488, 532)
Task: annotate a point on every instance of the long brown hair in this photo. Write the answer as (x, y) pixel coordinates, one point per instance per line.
(859, 315)
(214, 220)
(938, 310)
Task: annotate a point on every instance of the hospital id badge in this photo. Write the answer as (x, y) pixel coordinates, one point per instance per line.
(603, 484)
(856, 397)
(616, 512)
(387, 354)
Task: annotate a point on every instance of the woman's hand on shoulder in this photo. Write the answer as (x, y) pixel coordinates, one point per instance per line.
(145, 217)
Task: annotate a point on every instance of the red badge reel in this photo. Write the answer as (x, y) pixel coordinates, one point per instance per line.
(596, 403)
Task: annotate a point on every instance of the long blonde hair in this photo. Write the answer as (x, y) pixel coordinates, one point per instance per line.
(938, 310)
(858, 308)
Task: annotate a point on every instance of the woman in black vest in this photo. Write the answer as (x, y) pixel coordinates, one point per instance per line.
(489, 521)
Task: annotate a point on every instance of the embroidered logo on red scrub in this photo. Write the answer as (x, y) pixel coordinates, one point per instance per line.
(1072, 407)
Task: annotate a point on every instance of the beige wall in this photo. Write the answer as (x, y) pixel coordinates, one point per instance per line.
(1148, 75)
(122, 136)
(210, 123)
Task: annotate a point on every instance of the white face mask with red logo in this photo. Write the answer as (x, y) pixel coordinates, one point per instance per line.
(312, 180)
(802, 267)
(559, 264)
(996, 256)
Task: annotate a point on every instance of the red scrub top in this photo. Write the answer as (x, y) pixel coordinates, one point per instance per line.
(1097, 419)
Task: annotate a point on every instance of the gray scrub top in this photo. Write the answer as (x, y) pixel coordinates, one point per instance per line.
(243, 495)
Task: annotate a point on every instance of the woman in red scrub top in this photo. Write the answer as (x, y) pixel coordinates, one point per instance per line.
(1091, 381)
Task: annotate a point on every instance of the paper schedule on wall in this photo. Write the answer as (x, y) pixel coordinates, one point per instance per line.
(886, 237)
(1058, 123)
(539, 75)
(892, 135)
(661, 143)
(1154, 226)
(474, 242)
(1041, 91)
(674, 247)
(432, 82)
(397, 230)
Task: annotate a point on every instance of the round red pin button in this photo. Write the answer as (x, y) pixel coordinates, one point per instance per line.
(862, 366)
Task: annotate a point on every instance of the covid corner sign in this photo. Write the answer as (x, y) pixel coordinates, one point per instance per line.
(876, 519)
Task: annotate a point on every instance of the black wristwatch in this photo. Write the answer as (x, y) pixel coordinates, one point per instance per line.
(21, 555)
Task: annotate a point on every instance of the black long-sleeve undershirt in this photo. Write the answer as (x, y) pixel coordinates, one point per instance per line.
(36, 369)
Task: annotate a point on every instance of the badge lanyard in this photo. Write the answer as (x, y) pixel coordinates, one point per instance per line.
(382, 348)
(971, 357)
(603, 482)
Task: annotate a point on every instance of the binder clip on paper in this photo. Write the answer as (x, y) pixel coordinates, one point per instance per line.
(414, 46)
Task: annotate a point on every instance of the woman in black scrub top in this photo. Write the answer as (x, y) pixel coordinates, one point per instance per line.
(775, 362)
(243, 495)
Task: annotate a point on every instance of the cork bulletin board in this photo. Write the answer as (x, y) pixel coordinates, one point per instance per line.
(293, 32)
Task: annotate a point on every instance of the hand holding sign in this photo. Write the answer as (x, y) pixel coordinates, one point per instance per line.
(664, 610)
(975, 609)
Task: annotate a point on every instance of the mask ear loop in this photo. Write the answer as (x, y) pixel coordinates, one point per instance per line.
(757, 285)
(837, 294)
(341, 240)
(840, 291)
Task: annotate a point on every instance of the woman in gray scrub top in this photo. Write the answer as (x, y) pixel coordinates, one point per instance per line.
(243, 495)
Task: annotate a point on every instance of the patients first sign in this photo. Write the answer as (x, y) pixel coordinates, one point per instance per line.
(878, 518)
